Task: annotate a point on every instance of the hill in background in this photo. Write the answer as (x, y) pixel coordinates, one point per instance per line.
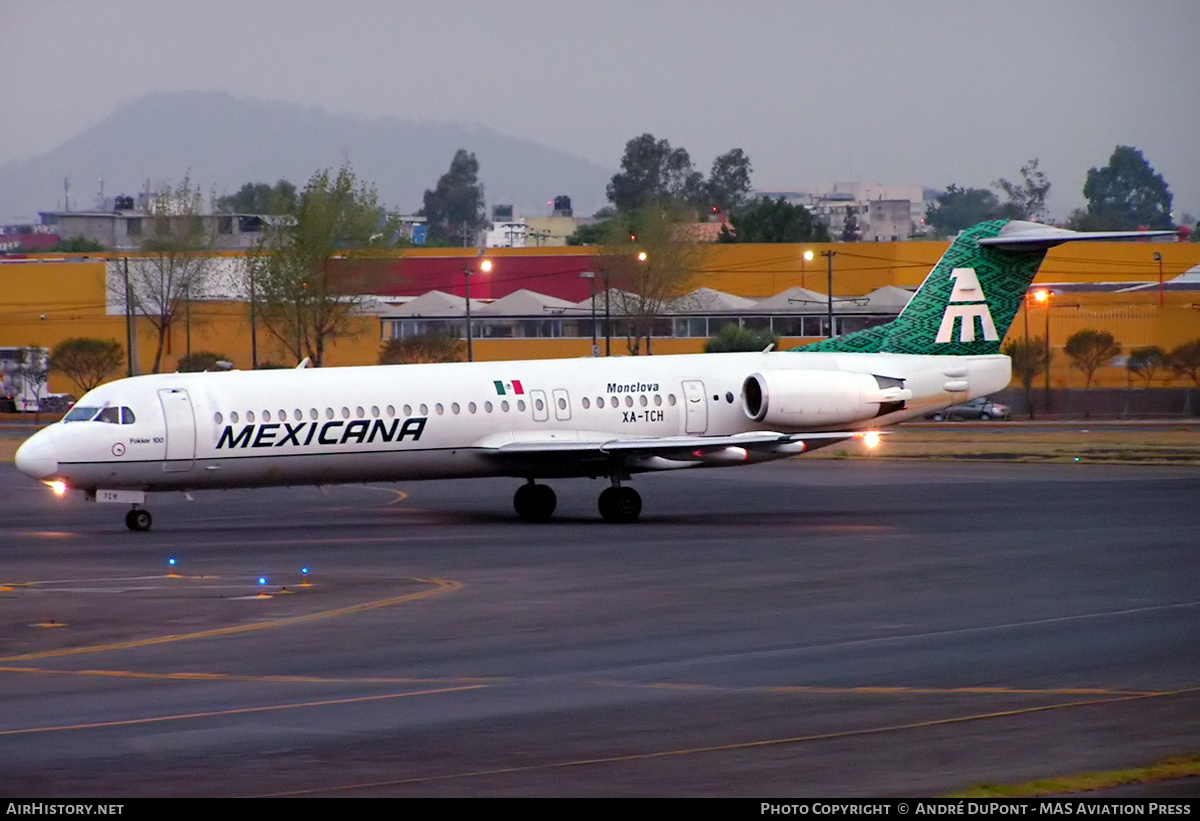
(221, 141)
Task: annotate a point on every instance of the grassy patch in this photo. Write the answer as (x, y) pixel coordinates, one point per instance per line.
(1167, 770)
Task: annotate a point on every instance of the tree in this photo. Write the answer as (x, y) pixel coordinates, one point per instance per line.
(591, 234)
(260, 198)
(87, 362)
(1124, 195)
(201, 361)
(76, 245)
(728, 185)
(957, 209)
(850, 229)
(1028, 360)
(33, 368)
(1090, 350)
(176, 263)
(733, 338)
(309, 276)
(435, 346)
(647, 264)
(653, 171)
(454, 209)
(774, 220)
(1148, 362)
(1185, 361)
(1026, 199)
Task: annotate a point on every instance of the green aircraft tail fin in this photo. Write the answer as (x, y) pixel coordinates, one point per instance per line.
(964, 307)
(970, 298)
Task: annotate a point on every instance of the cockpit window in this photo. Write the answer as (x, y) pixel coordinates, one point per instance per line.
(80, 414)
(111, 415)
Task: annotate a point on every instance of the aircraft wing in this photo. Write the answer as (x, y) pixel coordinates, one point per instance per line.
(571, 453)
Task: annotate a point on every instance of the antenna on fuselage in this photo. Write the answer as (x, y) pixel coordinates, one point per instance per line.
(303, 364)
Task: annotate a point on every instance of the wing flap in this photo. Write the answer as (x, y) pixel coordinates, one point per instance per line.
(679, 448)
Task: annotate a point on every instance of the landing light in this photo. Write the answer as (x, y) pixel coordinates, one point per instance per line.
(58, 487)
(871, 439)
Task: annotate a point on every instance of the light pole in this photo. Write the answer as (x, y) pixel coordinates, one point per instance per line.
(591, 277)
(641, 258)
(607, 314)
(1043, 295)
(253, 325)
(806, 257)
(1158, 257)
(129, 330)
(187, 296)
(485, 265)
(829, 255)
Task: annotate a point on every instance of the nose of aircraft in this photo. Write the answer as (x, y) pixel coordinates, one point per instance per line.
(37, 457)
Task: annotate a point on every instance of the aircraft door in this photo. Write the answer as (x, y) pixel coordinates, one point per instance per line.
(562, 405)
(696, 405)
(541, 411)
(180, 449)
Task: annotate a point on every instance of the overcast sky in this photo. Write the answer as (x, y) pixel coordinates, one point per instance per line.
(927, 92)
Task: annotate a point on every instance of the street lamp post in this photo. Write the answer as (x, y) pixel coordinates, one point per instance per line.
(1158, 257)
(187, 296)
(253, 325)
(485, 265)
(1043, 295)
(607, 315)
(806, 257)
(591, 277)
(829, 255)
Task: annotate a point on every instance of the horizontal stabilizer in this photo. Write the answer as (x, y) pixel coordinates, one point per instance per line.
(1033, 236)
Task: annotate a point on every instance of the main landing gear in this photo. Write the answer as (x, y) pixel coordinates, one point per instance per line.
(620, 504)
(536, 503)
(138, 519)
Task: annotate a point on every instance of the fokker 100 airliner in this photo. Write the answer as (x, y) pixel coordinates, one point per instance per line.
(552, 419)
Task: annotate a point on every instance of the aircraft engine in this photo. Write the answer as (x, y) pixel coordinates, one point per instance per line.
(806, 398)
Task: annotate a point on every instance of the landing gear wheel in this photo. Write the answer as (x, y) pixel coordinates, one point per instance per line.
(138, 520)
(535, 503)
(620, 504)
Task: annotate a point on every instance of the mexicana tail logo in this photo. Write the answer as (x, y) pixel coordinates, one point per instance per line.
(967, 301)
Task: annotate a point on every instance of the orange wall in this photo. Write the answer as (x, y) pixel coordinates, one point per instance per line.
(45, 300)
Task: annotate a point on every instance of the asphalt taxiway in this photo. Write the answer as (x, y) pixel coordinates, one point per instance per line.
(831, 628)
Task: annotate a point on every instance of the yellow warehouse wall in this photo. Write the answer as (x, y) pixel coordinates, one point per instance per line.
(47, 300)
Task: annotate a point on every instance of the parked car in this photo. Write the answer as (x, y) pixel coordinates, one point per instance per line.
(981, 408)
(56, 403)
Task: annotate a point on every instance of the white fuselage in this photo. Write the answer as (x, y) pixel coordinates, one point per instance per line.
(386, 423)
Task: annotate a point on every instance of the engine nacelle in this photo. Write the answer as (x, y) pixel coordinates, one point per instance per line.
(789, 398)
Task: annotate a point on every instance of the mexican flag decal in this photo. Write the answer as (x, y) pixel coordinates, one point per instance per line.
(508, 388)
